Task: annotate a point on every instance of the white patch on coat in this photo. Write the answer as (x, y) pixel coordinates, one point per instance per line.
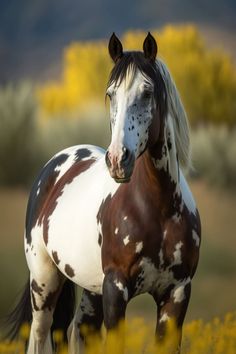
(164, 234)
(196, 238)
(38, 187)
(116, 230)
(176, 218)
(126, 240)
(168, 161)
(73, 226)
(87, 308)
(164, 317)
(179, 294)
(153, 278)
(125, 218)
(65, 166)
(177, 253)
(138, 247)
(121, 287)
(161, 258)
(130, 117)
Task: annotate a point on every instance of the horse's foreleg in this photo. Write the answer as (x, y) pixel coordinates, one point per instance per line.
(45, 287)
(171, 311)
(115, 298)
(86, 322)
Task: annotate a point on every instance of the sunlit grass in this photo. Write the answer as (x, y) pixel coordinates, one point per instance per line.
(217, 336)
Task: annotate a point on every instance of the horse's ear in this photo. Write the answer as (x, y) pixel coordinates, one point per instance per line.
(150, 47)
(115, 48)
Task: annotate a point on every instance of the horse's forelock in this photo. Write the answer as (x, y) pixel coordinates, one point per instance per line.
(128, 65)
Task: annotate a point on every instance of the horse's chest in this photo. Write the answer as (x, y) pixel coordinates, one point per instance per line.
(161, 266)
(153, 278)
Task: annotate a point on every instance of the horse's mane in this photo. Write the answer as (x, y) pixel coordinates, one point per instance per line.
(178, 115)
(166, 95)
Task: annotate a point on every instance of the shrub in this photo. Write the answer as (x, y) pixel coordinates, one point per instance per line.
(19, 146)
(206, 78)
(214, 155)
(27, 142)
(216, 336)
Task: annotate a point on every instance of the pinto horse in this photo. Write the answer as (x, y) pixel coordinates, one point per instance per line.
(117, 223)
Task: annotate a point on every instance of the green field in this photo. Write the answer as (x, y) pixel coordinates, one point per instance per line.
(214, 285)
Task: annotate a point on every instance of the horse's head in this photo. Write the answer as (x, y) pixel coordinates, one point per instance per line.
(137, 105)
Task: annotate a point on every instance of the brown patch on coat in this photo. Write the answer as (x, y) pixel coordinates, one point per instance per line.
(50, 300)
(100, 239)
(36, 288)
(34, 305)
(55, 257)
(150, 201)
(69, 271)
(51, 201)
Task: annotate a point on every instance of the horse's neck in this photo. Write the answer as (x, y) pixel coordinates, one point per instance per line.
(165, 158)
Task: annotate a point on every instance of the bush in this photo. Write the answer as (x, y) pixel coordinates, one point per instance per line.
(27, 142)
(214, 155)
(19, 146)
(206, 78)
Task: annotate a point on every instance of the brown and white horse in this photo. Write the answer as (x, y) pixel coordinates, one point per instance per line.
(117, 223)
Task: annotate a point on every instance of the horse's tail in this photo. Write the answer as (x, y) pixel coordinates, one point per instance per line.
(22, 313)
(19, 315)
(65, 307)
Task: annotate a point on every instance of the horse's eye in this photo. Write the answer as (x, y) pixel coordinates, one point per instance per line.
(109, 94)
(146, 94)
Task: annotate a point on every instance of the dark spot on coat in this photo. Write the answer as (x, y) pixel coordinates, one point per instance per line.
(69, 271)
(47, 178)
(50, 300)
(169, 144)
(82, 154)
(35, 307)
(36, 288)
(55, 257)
(99, 239)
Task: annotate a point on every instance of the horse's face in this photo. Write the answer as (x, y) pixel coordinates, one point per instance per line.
(133, 111)
(132, 107)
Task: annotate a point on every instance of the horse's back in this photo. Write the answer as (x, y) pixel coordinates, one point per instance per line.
(62, 212)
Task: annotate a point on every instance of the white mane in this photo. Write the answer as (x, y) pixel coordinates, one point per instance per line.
(178, 115)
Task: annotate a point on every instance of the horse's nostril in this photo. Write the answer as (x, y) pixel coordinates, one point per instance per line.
(126, 154)
(107, 159)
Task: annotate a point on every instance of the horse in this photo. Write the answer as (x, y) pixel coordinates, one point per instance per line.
(120, 222)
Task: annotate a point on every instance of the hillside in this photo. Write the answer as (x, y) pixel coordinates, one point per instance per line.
(33, 34)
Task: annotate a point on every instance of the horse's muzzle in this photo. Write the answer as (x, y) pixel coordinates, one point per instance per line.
(120, 168)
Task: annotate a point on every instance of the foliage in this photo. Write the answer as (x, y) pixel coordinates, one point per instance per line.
(27, 142)
(213, 154)
(217, 336)
(19, 146)
(206, 78)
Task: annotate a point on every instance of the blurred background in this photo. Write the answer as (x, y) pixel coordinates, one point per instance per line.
(54, 67)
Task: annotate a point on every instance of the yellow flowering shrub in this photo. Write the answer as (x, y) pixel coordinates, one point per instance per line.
(206, 78)
(214, 337)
